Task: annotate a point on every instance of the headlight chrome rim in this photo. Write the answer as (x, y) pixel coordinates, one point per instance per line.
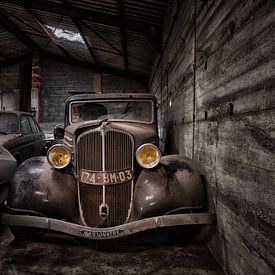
(155, 163)
(52, 163)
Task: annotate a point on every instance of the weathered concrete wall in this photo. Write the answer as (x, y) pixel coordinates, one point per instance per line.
(9, 88)
(59, 81)
(216, 87)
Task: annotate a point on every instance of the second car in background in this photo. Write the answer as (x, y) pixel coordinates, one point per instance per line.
(20, 135)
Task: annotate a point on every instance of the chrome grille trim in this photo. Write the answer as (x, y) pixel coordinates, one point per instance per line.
(117, 196)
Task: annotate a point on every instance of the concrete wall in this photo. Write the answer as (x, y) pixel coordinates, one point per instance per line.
(59, 81)
(216, 87)
(9, 88)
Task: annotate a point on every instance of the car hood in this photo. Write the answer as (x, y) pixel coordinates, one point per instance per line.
(142, 133)
(5, 138)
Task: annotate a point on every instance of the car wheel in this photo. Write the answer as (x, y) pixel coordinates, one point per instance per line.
(21, 233)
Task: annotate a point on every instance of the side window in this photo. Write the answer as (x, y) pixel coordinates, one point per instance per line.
(25, 126)
(34, 127)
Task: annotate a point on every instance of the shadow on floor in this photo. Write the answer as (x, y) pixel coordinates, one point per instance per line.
(145, 253)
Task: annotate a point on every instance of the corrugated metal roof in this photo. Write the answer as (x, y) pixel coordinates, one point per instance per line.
(119, 33)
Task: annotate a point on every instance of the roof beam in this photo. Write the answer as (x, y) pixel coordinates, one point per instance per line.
(48, 32)
(11, 27)
(104, 69)
(85, 14)
(123, 34)
(79, 27)
(92, 54)
(102, 38)
(16, 60)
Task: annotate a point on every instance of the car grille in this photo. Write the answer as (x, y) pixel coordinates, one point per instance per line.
(118, 155)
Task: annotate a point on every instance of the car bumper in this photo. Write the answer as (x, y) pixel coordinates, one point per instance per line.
(109, 232)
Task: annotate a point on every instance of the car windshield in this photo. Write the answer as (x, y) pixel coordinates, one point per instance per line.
(130, 110)
(8, 123)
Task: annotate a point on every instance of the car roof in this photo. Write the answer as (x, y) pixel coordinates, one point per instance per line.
(17, 113)
(111, 96)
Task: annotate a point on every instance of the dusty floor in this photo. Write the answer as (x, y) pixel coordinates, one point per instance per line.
(144, 254)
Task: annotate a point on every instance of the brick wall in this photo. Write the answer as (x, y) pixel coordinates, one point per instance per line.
(216, 88)
(116, 84)
(59, 81)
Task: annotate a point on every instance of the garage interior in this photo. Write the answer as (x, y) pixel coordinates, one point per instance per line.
(211, 66)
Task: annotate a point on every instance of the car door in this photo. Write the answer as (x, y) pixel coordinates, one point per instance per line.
(37, 137)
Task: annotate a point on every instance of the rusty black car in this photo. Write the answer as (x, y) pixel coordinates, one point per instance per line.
(106, 178)
(20, 135)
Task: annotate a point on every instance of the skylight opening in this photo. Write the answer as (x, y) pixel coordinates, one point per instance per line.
(64, 35)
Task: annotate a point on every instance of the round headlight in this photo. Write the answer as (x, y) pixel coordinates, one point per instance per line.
(148, 155)
(59, 156)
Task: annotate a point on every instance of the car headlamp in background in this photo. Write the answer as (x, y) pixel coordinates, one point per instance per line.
(148, 155)
(59, 156)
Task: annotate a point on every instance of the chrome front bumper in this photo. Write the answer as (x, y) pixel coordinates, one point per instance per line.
(109, 232)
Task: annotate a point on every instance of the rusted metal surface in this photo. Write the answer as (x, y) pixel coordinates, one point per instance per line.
(104, 185)
(113, 151)
(175, 185)
(119, 231)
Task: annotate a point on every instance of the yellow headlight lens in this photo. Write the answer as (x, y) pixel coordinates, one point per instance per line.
(59, 156)
(148, 155)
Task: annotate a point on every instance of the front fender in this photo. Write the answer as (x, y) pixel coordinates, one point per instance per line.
(175, 185)
(37, 187)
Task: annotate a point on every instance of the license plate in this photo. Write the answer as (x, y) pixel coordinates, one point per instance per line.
(95, 177)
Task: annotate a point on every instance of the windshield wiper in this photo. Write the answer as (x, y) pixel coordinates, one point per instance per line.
(4, 133)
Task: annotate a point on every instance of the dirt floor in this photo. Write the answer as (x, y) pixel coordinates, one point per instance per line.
(150, 253)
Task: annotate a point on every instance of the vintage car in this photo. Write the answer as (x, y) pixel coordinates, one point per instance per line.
(7, 168)
(21, 135)
(106, 178)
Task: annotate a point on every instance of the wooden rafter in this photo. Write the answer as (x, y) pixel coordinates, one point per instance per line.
(48, 32)
(91, 51)
(80, 30)
(11, 27)
(102, 38)
(123, 36)
(84, 14)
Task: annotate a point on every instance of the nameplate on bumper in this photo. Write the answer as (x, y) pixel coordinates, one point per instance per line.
(100, 234)
(106, 177)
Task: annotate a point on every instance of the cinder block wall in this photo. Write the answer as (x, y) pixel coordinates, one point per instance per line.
(9, 88)
(59, 81)
(215, 84)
